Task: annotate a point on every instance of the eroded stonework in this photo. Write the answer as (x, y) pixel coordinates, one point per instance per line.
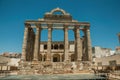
(55, 57)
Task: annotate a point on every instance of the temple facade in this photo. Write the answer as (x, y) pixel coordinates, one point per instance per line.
(48, 55)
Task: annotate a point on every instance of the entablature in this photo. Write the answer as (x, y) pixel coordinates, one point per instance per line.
(57, 24)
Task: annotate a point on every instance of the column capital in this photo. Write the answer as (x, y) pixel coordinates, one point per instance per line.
(66, 24)
(38, 26)
(77, 26)
(27, 25)
(49, 24)
(87, 27)
(31, 30)
(88, 30)
(65, 27)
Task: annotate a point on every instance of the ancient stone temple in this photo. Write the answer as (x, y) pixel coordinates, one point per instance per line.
(66, 56)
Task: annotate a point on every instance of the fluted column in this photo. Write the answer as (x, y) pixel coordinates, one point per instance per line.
(89, 47)
(75, 43)
(66, 43)
(48, 56)
(37, 44)
(24, 47)
(78, 43)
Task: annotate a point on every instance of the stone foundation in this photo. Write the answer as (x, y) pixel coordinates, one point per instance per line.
(53, 67)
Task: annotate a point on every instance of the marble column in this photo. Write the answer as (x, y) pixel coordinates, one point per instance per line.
(48, 56)
(66, 43)
(78, 43)
(25, 41)
(89, 47)
(37, 44)
(75, 48)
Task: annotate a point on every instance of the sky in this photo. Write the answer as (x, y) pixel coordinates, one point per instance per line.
(103, 15)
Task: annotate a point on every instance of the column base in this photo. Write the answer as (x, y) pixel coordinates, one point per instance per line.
(78, 60)
(23, 59)
(35, 62)
(48, 62)
(67, 61)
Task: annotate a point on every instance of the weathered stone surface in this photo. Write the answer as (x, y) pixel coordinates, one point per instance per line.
(55, 57)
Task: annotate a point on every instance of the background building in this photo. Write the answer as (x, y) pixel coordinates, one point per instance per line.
(108, 62)
(11, 55)
(101, 52)
(8, 64)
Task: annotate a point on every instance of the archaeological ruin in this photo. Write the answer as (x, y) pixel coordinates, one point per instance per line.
(55, 57)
